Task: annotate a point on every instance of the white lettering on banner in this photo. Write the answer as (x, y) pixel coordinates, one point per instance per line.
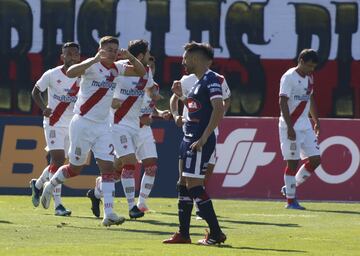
(354, 165)
(239, 156)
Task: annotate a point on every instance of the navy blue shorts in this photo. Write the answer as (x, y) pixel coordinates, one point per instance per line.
(196, 162)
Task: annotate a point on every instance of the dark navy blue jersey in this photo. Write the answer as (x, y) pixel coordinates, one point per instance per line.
(199, 103)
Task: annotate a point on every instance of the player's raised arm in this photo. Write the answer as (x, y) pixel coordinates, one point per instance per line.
(136, 68)
(79, 69)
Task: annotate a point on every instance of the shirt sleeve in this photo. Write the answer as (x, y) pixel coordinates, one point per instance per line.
(215, 90)
(285, 86)
(225, 90)
(121, 66)
(150, 80)
(44, 82)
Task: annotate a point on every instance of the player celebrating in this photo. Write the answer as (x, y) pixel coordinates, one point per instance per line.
(205, 105)
(62, 92)
(297, 138)
(89, 128)
(143, 141)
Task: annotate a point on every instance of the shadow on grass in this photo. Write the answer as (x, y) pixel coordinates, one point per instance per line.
(332, 211)
(6, 222)
(270, 249)
(286, 225)
(170, 224)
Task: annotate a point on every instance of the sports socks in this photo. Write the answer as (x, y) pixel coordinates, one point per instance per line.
(304, 173)
(185, 206)
(147, 182)
(206, 208)
(107, 187)
(290, 184)
(43, 178)
(128, 183)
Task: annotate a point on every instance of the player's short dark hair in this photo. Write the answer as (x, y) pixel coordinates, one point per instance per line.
(308, 55)
(135, 47)
(203, 48)
(70, 44)
(108, 40)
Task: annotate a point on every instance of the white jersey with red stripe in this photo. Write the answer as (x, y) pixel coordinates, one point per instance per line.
(130, 91)
(97, 88)
(62, 92)
(298, 90)
(188, 81)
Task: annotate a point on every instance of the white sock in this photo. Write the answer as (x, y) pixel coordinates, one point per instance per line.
(56, 193)
(44, 177)
(97, 190)
(147, 183)
(302, 175)
(59, 176)
(290, 186)
(129, 191)
(107, 188)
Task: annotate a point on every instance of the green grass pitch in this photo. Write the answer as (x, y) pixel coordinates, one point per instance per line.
(252, 227)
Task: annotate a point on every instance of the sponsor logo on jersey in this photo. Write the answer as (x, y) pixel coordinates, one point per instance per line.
(104, 84)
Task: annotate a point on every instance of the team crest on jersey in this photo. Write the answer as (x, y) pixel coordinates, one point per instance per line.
(123, 139)
(52, 134)
(78, 151)
(193, 105)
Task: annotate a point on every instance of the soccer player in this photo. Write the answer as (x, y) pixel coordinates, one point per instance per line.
(187, 82)
(90, 126)
(298, 139)
(205, 105)
(57, 113)
(126, 125)
(143, 142)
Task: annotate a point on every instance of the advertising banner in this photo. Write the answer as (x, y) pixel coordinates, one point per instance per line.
(249, 162)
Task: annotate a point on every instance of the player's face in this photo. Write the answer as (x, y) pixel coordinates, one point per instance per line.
(111, 51)
(307, 67)
(70, 56)
(188, 62)
(146, 57)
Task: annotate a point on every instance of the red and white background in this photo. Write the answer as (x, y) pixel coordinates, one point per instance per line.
(250, 163)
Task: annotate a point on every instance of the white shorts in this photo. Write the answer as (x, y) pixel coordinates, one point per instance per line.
(123, 139)
(305, 145)
(57, 138)
(86, 135)
(145, 144)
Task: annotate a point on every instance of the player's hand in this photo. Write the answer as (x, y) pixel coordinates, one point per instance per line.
(197, 145)
(100, 55)
(47, 112)
(146, 120)
(179, 121)
(176, 88)
(166, 114)
(291, 133)
(317, 129)
(123, 53)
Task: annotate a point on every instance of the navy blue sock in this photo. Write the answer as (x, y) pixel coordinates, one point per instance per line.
(206, 208)
(185, 206)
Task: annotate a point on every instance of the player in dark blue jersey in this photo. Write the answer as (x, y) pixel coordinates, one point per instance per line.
(205, 105)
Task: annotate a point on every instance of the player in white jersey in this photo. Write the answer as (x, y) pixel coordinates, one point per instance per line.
(186, 83)
(298, 139)
(126, 123)
(58, 111)
(145, 148)
(90, 127)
